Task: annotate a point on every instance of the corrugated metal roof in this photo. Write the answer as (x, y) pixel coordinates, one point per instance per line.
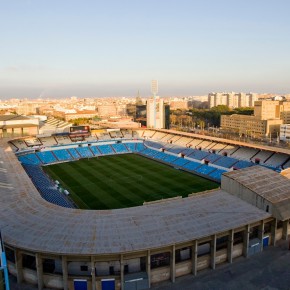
(267, 183)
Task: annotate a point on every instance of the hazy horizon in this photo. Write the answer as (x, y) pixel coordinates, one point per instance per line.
(115, 48)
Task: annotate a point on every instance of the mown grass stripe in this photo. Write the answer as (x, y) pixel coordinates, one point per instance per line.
(124, 180)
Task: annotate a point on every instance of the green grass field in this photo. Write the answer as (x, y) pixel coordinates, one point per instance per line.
(125, 180)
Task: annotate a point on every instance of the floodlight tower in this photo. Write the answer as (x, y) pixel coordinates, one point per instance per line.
(154, 91)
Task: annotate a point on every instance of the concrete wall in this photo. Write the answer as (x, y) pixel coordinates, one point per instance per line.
(53, 281)
(235, 188)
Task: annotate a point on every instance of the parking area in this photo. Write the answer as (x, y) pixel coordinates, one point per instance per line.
(269, 270)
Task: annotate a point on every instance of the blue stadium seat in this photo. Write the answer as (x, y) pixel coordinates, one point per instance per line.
(95, 150)
(156, 145)
(192, 165)
(46, 157)
(30, 158)
(140, 147)
(212, 157)
(85, 152)
(119, 148)
(243, 164)
(217, 174)
(226, 162)
(198, 154)
(62, 155)
(180, 161)
(205, 169)
(46, 187)
(150, 152)
(106, 149)
(73, 153)
(131, 147)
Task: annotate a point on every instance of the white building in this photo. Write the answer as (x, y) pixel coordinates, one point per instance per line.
(232, 100)
(156, 118)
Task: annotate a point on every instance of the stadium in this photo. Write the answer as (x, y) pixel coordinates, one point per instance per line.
(232, 200)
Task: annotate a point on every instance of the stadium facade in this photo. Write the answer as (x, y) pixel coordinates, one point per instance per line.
(60, 247)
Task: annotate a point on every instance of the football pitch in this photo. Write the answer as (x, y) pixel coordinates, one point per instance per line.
(125, 180)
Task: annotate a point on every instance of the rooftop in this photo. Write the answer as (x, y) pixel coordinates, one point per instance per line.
(271, 185)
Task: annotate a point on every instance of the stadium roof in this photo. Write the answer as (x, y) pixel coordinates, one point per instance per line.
(13, 117)
(18, 125)
(270, 185)
(29, 222)
(267, 183)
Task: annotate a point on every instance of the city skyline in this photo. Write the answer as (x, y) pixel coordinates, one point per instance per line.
(114, 48)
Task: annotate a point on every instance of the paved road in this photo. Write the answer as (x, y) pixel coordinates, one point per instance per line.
(269, 270)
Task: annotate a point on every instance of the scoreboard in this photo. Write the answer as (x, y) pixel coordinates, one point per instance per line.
(79, 130)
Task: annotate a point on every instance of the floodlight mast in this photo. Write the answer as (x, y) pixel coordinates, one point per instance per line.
(154, 90)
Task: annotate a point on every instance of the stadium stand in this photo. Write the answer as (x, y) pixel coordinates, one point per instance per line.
(183, 141)
(217, 174)
(103, 136)
(148, 134)
(155, 145)
(131, 147)
(243, 164)
(198, 154)
(116, 134)
(150, 152)
(192, 165)
(138, 134)
(175, 149)
(212, 157)
(218, 147)
(140, 147)
(91, 138)
(119, 148)
(48, 141)
(245, 153)
(127, 134)
(46, 157)
(32, 142)
(46, 188)
(195, 142)
(229, 149)
(187, 151)
(95, 150)
(63, 140)
(167, 138)
(19, 144)
(262, 156)
(165, 157)
(204, 144)
(205, 169)
(30, 158)
(62, 155)
(287, 164)
(106, 149)
(277, 160)
(180, 161)
(226, 162)
(213, 144)
(73, 153)
(174, 139)
(84, 152)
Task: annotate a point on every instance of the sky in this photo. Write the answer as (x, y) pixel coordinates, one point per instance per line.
(92, 48)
